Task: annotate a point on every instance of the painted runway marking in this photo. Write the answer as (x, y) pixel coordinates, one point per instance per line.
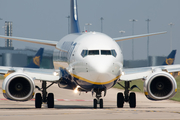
(57, 99)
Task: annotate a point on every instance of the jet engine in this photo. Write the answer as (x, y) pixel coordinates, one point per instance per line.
(160, 86)
(18, 87)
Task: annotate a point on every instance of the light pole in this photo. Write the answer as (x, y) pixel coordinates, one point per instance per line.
(148, 20)
(133, 20)
(88, 24)
(68, 17)
(1, 19)
(101, 23)
(121, 32)
(171, 24)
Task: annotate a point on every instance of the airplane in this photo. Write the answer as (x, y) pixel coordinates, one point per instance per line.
(89, 62)
(170, 58)
(36, 61)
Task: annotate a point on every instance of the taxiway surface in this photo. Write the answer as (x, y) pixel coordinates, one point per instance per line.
(71, 106)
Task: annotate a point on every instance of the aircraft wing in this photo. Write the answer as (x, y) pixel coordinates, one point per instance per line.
(136, 36)
(38, 41)
(141, 73)
(49, 75)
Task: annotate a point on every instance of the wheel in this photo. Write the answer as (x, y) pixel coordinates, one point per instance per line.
(38, 100)
(101, 103)
(120, 100)
(95, 103)
(132, 100)
(50, 100)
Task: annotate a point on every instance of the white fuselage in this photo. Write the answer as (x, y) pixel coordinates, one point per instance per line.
(92, 59)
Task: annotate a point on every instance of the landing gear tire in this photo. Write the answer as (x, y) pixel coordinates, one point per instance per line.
(95, 103)
(101, 103)
(132, 100)
(50, 100)
(38, 100)
(120, 100)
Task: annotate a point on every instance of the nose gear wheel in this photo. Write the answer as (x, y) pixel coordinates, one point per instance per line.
(97, 100)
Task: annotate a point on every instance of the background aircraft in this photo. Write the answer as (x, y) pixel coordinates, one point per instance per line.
(90, 62)
(35, 62)
(170, 58)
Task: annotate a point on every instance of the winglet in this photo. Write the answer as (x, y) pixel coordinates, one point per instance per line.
(35, 62)
(74, 17)
(170, 59)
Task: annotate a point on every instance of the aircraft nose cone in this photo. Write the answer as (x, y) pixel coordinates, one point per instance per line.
(102, 69)
(101, 65)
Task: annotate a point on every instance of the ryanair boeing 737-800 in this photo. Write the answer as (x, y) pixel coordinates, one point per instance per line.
(89, 62)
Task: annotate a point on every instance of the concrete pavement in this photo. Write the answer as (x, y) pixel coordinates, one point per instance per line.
(71, 106)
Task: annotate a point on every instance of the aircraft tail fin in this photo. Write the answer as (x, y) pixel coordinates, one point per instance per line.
(170, 59)
(74, 17)
(35, 62)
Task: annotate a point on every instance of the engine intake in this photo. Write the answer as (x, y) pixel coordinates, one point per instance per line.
(18, 87)
(160, 86)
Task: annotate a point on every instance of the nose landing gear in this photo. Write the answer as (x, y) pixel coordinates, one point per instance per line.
(97, 100)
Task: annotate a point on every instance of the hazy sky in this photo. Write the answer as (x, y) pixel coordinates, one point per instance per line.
(47, 19)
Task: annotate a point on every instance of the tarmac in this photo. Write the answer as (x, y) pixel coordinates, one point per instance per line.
(71, 106)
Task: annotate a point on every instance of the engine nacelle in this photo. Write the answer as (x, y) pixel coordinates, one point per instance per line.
(18, 87)
(160, 86)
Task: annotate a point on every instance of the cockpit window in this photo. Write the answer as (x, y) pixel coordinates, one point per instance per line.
(105, 52)
(84, 53)
(93, 52)
(113, 52)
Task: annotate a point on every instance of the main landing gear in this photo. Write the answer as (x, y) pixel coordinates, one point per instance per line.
(97, 100)
(131, 98)
(44, 98)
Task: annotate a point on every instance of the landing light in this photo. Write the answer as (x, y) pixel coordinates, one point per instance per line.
(55, 73)
(76, 89)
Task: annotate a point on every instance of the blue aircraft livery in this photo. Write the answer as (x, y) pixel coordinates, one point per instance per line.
(170, 58)
(35, 62)
(74, 17)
